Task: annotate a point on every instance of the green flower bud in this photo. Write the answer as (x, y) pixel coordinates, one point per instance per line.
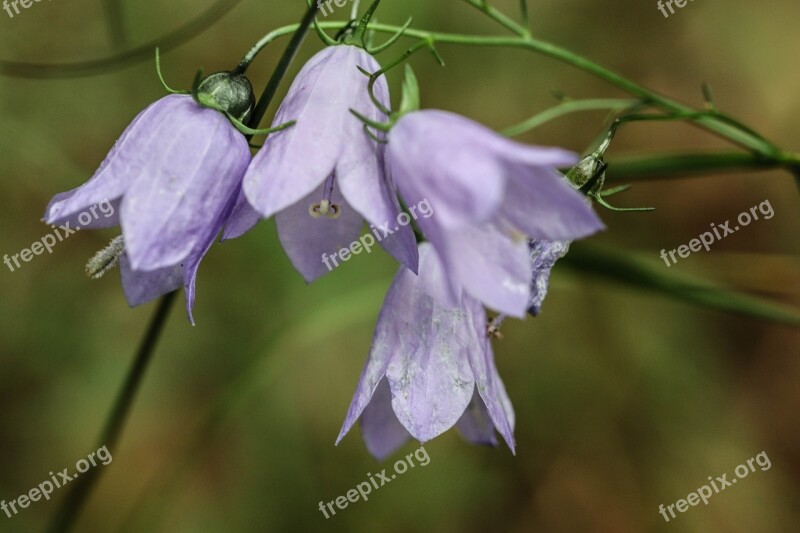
(228, 92)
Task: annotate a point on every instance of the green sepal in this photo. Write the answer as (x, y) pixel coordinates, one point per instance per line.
(410, 100)
(161, 76)
(250, 131)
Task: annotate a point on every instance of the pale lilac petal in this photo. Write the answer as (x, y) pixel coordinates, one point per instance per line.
(242, 219)
(306, 240)
(490, 264)
(293, 162)
(533, 156)
(544, 255)
(360, 172)
(382, 432)
(443, 157)
(193, 263)
(199, 158)
(388, 339)
(361, 179)
(118, 170)
(143, 286)
(543, 205)
(99, 216)
(487, 380)
(429, 375)
(475, 425)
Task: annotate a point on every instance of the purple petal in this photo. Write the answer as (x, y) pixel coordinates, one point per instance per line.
(489, 264)
(242, 219)
(121, 166)
(294, 161)
(406, 332)
(487, 380)
(197, 255)
(382, 432)
(543, 205)
(307, 240)
(195, 162)
(386, 341)
(102, 215)
(544, 255)
(429, 373)
(445, 158)
(475, 425)
(362, 181)
(143, 286)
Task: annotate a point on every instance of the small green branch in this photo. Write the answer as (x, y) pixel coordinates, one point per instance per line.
(639, 273)
(665, 166)
(566, 108)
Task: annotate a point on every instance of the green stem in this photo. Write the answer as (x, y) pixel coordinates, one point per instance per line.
(640, 273)
(104, 65)
(81, 488)
(283, 65)
(662, 166)
(499, 16)
(719, 125)
(571, 106)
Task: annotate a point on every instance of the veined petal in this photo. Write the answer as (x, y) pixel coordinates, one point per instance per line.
(487, 380)
(543, 205)
(475, 425)
(429, 374)
(166, 212)
(365, 187)
(102, 215)
(490, 264)
(446, 159)
(294, 161)
(143, 286)
(242, 219)
(308, 241)
(382, 432)
(213, 229)
(389, 339)
(118, 170)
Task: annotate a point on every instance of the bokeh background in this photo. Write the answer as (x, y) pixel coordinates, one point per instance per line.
(625, 399)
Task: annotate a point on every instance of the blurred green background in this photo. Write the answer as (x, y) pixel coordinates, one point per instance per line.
(624, 399)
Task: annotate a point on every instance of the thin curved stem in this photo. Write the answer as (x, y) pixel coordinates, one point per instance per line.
(144, 52)
(81, 488)
(566, 108)
(718, 124)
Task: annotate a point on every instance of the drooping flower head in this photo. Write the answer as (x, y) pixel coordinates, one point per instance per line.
(324, 176)
(172, 177)
(491, 196)
(431, 367)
